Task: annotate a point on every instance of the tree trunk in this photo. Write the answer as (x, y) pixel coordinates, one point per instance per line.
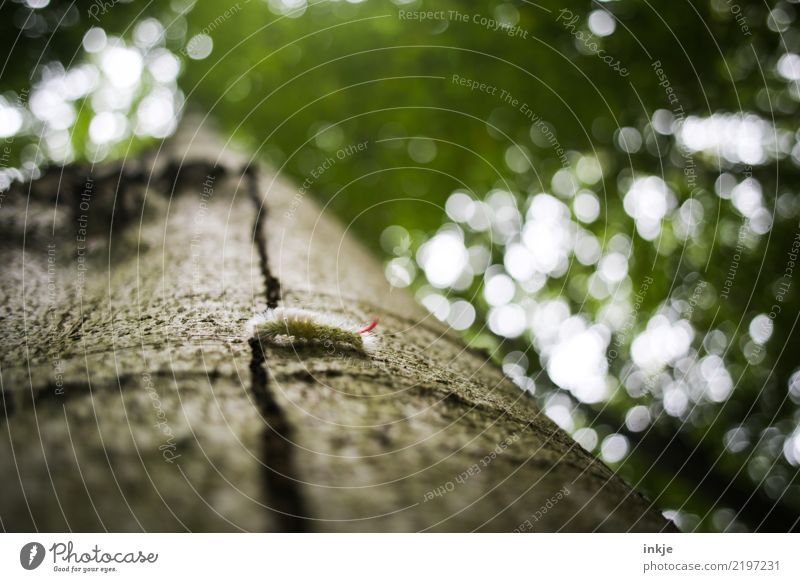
(133, 399)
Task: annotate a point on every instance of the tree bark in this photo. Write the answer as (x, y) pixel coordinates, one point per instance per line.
(133, 400)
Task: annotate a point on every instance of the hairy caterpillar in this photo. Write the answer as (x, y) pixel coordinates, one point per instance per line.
(289, 325)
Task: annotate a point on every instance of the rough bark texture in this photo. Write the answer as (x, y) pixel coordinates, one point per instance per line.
(132, 399)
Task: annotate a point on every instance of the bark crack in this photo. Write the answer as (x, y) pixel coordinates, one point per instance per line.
(281, 489)
(272, 283)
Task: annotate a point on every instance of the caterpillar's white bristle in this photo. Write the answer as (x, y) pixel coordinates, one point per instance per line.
(300, 315)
